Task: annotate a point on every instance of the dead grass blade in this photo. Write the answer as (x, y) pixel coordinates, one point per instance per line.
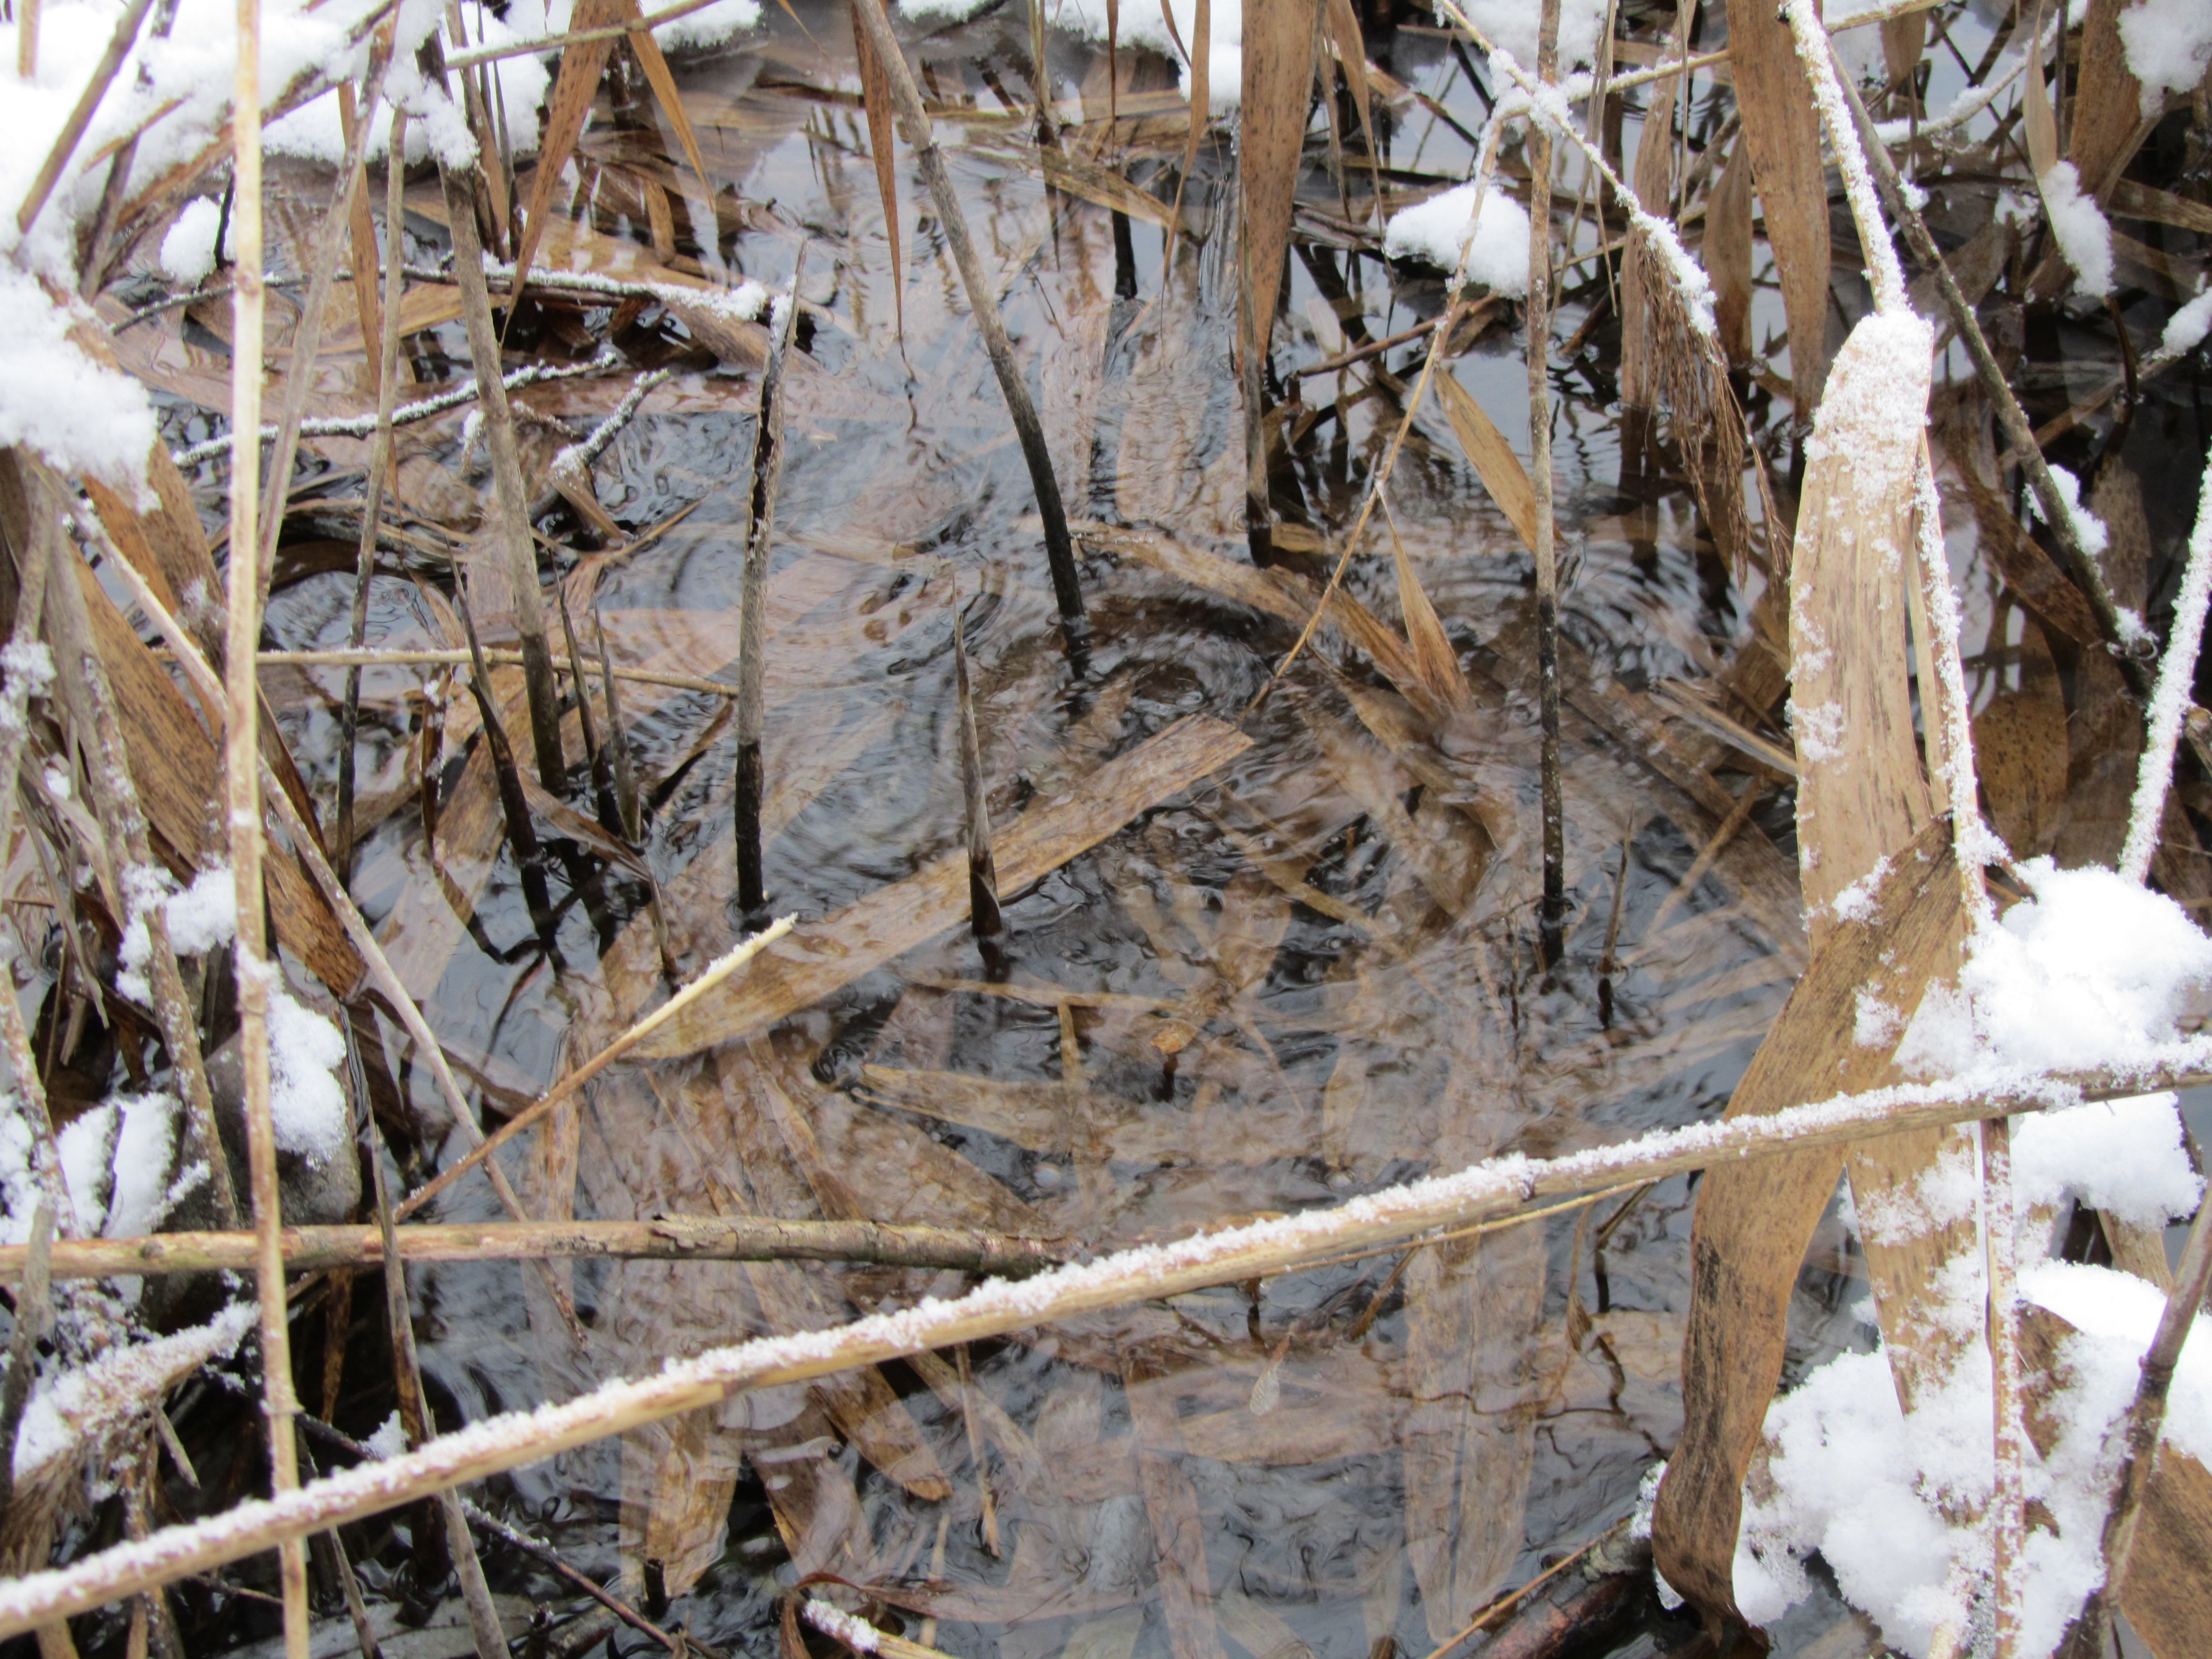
(983, 918)
(1782, 135)
(1352, 57)
(583, 63)
(875, 100)
(1492, 457)
(1434, 660)
(824, 955)
(1279, 37)
(1728, 253)
(1201, 55)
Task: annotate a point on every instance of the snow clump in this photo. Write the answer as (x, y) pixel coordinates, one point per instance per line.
(2169, 46)
(188, 251)
(2084, 234)
(1433, 230)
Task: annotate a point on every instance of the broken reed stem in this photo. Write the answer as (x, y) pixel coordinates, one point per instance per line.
(255, 972)
(361, 657)
(365, 426)
(1824, 73)
(765, 472)
(984, 919)
(667, 1238)
(379, 466)
(414, 1416)
(508, 490)
(626, 796)
(103, 76)
(1496, 1187)
(713, 975)
(2170, 702)
(1553, 916)
(2008, 1504)
(983, 303)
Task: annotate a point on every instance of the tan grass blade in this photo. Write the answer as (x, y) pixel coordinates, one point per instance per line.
(583, 63)
(876, 99)
(1728, 253)
(1783, 136)
(1278, 43)
(1352, 56)
(1434, 660)
(1491, 456)
(1202, 55)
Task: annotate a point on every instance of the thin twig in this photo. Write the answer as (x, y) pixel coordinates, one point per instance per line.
(1552, 913)
(667, 1238)
(2170, 701)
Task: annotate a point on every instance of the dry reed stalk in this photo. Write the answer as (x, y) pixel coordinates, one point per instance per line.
(103, 76)
(2019, 434)
(665, 1238)
(1552, 913)
(27, 39)
(242, 785)
(713, 975)
(509, 492)
(983, 302)
(2008, 1515)
(361, 227)
(765, 475)
(414, 1416)
(1497, 1187)
(362, 657)
(379, 468)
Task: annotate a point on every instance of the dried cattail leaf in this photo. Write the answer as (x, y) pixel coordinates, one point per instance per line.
(876, 99)
(1728, 253)
(1784, 135)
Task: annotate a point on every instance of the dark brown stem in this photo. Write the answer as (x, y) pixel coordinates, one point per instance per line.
(1553, 916)
(983, 302)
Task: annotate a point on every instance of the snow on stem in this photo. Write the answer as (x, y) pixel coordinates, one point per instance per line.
(2170, 698)
(2008, 1509)
(1396, 1215)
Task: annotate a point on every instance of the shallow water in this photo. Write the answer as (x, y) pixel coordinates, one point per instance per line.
(1317, 1462)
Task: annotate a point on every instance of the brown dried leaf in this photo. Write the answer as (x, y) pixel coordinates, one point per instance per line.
(2020, 750)
(1784, 135)
(1500, 470)
(1279, 41)
(583, 63)
(1728, 251)
(876, 99)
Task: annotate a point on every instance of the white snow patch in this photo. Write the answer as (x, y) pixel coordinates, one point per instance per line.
(855, 1633)
(709, 25)
(1433, 231)
(83, 1403)
(87, 1146)
(306, 1104)
(145, 1146)
(2168, 44)
(2093, 969)
(82, 415)
(389, 1440)
(2124, 1156)
(2084, 234)
(2089, 529)
(2186, 329)
(1142, 25)
(188, 251)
